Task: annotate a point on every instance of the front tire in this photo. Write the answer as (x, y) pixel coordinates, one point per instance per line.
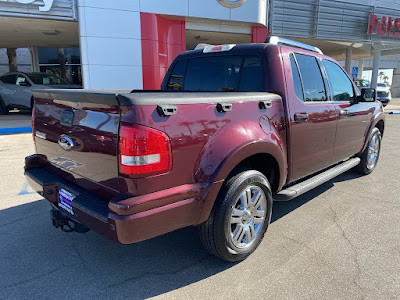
(370, 156)
(240, 217)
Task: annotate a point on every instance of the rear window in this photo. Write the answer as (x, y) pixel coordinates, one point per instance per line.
(10, 79)
(217, 73)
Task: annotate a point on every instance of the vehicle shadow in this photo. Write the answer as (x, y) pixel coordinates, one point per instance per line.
(41, 262)
(282, 208)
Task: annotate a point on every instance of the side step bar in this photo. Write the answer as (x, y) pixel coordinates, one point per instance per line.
(307, 185)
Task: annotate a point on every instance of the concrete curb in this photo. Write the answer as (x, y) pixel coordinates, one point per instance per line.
(15, 130)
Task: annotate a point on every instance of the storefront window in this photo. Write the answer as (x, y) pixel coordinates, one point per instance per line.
(49, 62)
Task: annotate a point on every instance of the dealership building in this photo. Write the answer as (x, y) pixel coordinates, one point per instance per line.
(130, 44)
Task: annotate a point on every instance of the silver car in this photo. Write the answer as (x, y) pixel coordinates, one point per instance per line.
(16, 88)
(383, 93)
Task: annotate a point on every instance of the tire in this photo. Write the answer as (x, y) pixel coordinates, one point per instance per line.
(3, 108)
(370, 156)
(234, 230)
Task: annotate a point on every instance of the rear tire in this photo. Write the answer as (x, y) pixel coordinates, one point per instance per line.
(3, 108)
(239, 218)
(370, 156)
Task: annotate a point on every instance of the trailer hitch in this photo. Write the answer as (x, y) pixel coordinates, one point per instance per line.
(66, 224)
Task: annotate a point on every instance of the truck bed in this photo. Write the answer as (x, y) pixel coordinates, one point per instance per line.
(194, 127)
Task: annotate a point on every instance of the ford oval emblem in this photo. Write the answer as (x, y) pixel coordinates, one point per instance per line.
(65, 142)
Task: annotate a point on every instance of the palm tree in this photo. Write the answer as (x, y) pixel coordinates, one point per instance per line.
(381, 75)
(386, 79)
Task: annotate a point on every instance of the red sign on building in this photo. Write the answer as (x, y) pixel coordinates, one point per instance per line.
(387, 26)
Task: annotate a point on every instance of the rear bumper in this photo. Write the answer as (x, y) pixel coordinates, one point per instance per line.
(126, 221)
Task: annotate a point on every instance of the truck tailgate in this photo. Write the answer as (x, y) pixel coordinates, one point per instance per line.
(78, 133)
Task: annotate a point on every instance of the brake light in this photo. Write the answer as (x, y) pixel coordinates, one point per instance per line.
(143, 151)
(33, 124)
(218, 48)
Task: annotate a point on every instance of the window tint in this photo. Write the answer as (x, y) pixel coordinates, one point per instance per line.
(175, 82)
(313, 85)
(222, 73)
(213, 74)
(296, 78)
(251, 78)
(342, 88)
(11, 79)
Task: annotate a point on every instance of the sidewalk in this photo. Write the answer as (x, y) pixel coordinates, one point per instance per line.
(15, 122)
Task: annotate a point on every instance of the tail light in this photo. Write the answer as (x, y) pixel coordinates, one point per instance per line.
(33, 123)
(143, 151)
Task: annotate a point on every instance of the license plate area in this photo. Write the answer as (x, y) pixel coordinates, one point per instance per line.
(65, 199)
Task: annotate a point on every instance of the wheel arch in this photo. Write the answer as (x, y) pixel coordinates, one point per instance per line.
(378, 122)
(265, 157)
(381, 126)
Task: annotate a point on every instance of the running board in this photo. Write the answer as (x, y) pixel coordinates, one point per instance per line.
(307, 185)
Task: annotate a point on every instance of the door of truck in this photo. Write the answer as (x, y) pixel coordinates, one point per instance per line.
(354, 118)
(312, 118)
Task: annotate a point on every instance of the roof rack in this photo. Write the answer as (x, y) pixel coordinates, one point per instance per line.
(275, 40)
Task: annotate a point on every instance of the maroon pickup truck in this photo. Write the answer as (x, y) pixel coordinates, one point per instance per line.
(233, 128)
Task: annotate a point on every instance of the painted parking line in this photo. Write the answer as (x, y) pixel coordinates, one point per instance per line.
(25, 190)
(15, 130)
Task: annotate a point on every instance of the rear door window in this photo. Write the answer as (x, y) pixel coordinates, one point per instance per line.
(296, 78)
(311, 77)
(217, 73)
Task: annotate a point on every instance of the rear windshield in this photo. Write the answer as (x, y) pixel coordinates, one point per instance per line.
(217, 73)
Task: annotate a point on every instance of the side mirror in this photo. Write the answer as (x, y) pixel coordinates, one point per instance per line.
(367, 95)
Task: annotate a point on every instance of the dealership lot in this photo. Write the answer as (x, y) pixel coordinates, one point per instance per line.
(339, 241)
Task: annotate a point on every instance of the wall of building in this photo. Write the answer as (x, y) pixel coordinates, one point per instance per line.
(115, 54)
(23, 60)
(335, 20)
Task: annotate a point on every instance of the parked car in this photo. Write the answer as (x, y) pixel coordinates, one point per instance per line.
(16, 88)
(189, 155)
(383, 93)
(362, 83)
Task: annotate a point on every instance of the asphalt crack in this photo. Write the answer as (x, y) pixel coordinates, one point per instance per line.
(18, 220)
(355, 250)
(40, 276)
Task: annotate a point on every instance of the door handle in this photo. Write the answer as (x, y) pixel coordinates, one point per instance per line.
(343, 112)
(300, 117)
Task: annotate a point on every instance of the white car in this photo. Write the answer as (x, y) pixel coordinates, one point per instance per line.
(16, 88)
(383, 93)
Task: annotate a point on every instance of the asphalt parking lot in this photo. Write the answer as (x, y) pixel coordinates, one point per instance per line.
(339, 241)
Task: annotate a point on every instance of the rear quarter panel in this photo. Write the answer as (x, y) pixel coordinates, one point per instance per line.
(206, 144)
